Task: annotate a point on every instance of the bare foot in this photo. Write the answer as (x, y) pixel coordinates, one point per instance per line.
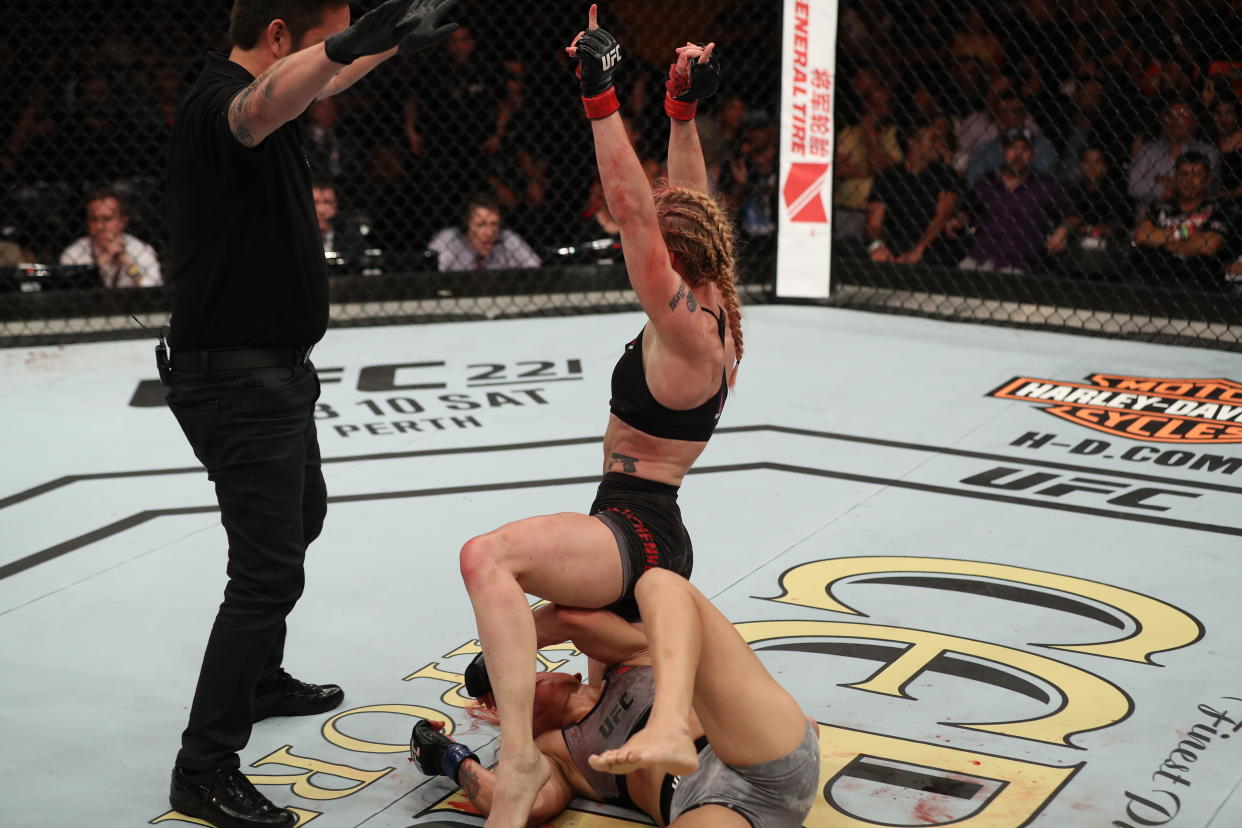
(518, 780)
(670, 749)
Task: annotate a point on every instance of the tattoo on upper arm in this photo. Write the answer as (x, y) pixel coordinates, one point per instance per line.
(681, 291)
(469, 781)
(628, 464)
(268, 79)
(239, 121)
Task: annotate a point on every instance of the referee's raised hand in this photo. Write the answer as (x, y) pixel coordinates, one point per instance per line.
(388, 25)
(422, 24)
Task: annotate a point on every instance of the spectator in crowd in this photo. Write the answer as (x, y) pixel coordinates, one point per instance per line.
(1084, 127)
(980, 125)
(1098, 227)
(1017, 207)
(973, 40)
(1011, 115)
(517, 170)
(1229, 141)
(1151, 174)
(340, 237)
(330, 153)
(483, 244)
(751, 188)
(912, 202)
(864, 150)
(13, 254)
(968, 84)
(453, 113)
(1185, 238)
(30, 142)
(392, 197)
(721, 134)
(123, 260)
(99, 135)
(596, 221)
(1033, 31)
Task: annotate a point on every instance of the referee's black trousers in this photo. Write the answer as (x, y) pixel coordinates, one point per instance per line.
(254, 431)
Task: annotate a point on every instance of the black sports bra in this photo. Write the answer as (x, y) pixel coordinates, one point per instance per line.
(633, 404)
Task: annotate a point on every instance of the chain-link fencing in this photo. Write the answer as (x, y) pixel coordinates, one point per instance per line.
(1063, 165)
(489, 123)
(1072, 165)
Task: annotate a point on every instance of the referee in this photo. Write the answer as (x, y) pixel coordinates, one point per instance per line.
(251, 298)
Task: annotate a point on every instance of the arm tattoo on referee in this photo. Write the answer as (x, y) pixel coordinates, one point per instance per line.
(469, 782)
(268, 79)
(239, 121)
(628, 464)
(681, 291)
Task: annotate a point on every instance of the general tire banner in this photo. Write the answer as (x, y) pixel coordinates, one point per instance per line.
(804, 240)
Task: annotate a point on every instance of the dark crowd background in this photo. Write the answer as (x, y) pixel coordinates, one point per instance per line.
(1062, 164)
(1072, 164)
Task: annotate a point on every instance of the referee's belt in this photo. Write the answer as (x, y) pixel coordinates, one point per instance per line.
(217, 360)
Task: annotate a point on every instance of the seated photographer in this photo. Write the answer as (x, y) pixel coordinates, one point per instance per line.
(483, 244)
(1186, 237)
(123, 261)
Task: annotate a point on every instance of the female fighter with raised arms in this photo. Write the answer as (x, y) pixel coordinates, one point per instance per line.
(668, 390)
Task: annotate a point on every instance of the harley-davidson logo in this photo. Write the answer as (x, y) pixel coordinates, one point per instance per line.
(1158, 409)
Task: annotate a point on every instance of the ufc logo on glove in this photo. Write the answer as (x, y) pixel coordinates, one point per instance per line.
(611, 58)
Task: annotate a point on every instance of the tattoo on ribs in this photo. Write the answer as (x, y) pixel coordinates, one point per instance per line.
(628, 464)
(681, 291)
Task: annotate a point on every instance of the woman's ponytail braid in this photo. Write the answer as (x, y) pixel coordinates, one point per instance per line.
(696, 228)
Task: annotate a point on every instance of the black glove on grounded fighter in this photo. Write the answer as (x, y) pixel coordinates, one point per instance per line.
(411, 24)
(435, 753)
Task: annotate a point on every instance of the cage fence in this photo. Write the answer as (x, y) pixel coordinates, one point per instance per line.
(1070, 166)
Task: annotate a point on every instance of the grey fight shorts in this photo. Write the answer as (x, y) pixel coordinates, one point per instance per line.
(776, 794)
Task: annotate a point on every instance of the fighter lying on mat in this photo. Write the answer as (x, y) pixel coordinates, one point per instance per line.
(674, 729)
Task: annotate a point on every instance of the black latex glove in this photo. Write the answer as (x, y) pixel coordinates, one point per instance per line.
(376, 31)
(425, 15)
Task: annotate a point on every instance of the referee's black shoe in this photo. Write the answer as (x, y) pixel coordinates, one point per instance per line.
(228, 800)
(287, 696)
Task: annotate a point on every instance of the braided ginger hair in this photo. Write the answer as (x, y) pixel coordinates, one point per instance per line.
(698, 230)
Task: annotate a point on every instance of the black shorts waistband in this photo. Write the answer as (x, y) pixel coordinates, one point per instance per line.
(628, 482)
(667, 788)
(217, 360)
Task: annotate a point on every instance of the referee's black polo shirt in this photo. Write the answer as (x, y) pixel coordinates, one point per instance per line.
(248, 264)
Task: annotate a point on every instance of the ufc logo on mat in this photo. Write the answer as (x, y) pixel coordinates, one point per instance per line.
(612, 58)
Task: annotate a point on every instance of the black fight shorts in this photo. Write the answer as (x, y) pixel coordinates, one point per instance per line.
(646, 521)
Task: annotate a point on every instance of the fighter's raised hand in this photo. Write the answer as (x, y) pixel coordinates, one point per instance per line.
(422, 24)
(598, 55)
(695, 76)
